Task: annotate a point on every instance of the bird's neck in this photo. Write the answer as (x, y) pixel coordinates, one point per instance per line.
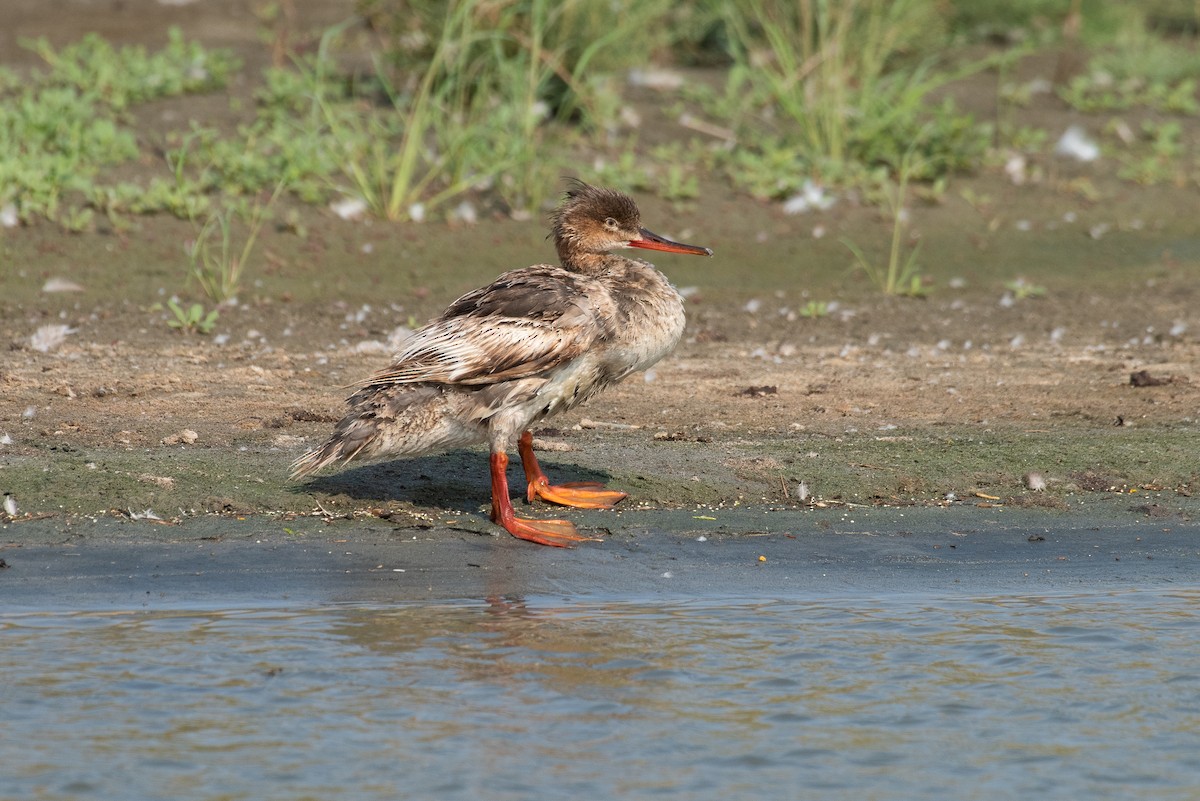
(588, 263)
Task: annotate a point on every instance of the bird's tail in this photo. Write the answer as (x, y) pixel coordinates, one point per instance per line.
(387, 421)
(354, 436)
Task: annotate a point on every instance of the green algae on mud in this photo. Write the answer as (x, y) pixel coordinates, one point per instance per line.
(917, 467)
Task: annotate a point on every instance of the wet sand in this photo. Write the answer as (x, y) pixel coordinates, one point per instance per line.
(968, 551)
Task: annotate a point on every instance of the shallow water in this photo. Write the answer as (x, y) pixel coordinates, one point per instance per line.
(1082, 696)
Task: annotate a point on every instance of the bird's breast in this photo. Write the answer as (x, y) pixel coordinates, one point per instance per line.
(650, 320)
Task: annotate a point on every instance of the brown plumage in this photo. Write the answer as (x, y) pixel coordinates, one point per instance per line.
(534, 342)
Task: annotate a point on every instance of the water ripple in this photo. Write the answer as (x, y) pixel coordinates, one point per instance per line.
(1062, 697)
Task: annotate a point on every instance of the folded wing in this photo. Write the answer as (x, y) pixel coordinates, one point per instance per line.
(524, 323)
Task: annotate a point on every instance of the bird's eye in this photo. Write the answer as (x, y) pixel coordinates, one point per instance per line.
(610, 224)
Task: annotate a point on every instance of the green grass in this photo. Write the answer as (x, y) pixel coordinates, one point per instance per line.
(411, 152)
(901, 274)
(217, 262)
(834, 91)
(497, 100)
(493, 95)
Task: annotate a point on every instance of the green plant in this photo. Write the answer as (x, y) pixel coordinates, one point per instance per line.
(1137, 68)
(393, 159)
(61, 127)
(1137, 50)
(680, 183)
(670, 170)
(1028, 139)
(477, 106)
(121, 77)
(826, 86)
(501, 95)
(1101, 91)
(627, 171)
(218, 266)
(815, 308)
(279, 144)
(1011, 96)
(551, 54)
(76, 219)
(1161, 161)
(1022, 289)
(53, 142)
(191, 319)
(901, 275)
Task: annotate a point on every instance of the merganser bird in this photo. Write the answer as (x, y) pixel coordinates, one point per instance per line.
(534, 342)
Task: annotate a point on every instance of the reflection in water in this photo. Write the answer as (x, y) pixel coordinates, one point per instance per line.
(895, 698)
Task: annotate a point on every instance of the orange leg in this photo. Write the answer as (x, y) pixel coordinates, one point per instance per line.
(558, 533)
(580, 494)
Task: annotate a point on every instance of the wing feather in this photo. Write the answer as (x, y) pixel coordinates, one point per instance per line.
(524, 323)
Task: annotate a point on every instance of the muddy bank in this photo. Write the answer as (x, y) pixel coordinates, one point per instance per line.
(798, 380)
(879, 400)
(1094, 385)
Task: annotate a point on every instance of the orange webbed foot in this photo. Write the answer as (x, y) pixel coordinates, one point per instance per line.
(577, 494)
(555, 533)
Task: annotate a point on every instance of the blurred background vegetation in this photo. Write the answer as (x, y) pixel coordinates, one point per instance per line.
(411, 109)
